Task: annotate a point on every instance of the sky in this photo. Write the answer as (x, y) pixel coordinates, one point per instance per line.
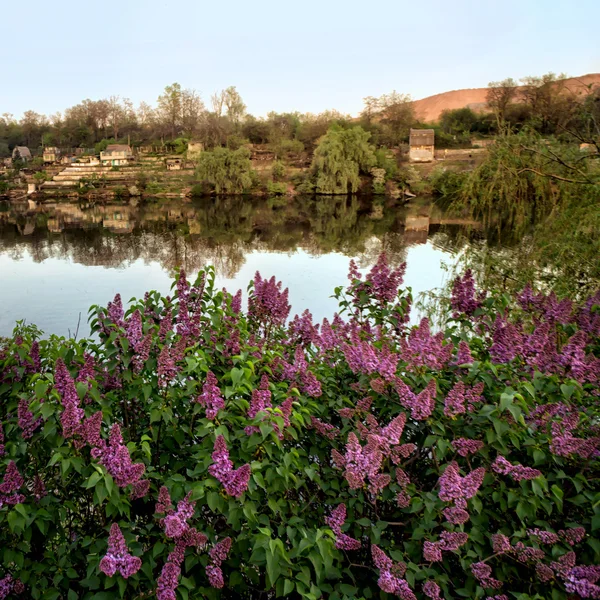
(284, 56)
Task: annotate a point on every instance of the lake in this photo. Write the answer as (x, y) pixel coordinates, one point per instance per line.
(58, 259)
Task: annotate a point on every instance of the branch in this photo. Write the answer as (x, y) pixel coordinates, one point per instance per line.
(557, 177)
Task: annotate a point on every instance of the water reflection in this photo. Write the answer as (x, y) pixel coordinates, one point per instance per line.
(56, 259)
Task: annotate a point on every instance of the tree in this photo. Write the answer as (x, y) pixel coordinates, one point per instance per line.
(228, 171)
(397, 116)
(192, 111)
(339, 159)
(169, 107)
(552, 105)
(236, 109)
(459, 121)
(500, 94)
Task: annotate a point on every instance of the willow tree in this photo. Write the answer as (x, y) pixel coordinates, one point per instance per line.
(228, 171)
(339, 159)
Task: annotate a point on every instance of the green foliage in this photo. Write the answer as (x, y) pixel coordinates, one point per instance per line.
(234, 142)
(278, 170)
(41, 176)
(460, 121)
(277, 187)
(386, 160)
(144, 372)
(342, 154)
(228, 171)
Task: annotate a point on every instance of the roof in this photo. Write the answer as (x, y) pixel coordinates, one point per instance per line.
(118, 148)
(422, 137)
(23, 151)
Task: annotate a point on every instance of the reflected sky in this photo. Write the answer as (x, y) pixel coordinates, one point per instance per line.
(52, 293)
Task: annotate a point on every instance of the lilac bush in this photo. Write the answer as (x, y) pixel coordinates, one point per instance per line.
(194, 450)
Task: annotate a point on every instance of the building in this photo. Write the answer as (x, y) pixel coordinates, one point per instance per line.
(116, 155)
(21, 152)
(422, 145)
(174, 163)
(51, 155)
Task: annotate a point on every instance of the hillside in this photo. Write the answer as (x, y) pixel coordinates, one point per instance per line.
(429, 109)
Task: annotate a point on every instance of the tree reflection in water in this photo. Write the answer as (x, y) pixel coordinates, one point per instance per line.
(222, 231)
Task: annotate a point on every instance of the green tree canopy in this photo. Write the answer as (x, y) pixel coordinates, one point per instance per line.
(228, 171)
(340, 157)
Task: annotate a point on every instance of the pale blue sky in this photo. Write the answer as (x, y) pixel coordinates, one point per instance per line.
(308, 56)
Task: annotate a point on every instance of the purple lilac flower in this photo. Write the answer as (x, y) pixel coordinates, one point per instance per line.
(432, 551)
(432, 590)
(260, 401)
(543, 572)
(455, 515)
(581, 581)
(34, 355)
(325, 429)
(463, 299)
(298, 372)
(545, 537)
(526, 554)
(116, 459)
(115, 310)
(572, 536)
(381, 560)
(7, 584)
(384, 282)
(133, 329)
(507, 341)
(463, 355)
(452, 540)
(72, 414)
(211, 397)
(579, 365)
(164, 504)
(302, 330)
(167, 369)
(118, 557)
(25, 419)
(500, 543)
(87, 371)
(166, 324)
(217, 555)
(517, 472)
(460, 397)
(363, 357)
(454, 487)
(267, 303)
(235, 481)
(168, 581)
(482, 572)
(12, 483)
(421, 349)
(422, 404)
(465, 447)
(588, 318)
(360, 462)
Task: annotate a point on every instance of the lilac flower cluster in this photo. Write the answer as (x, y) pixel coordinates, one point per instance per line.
(118, 557)
(363, 357)
(545, 537)
(507, 341)
(582, 581)
(325, 429)
(588, 318)
(421, 349)
(517, 472)
(217, 555)
(176, 527)
(421, 405)
(87, 371)
(463, 355)
(10, 486)
(189, 310)
(298, 372)
(465, 447)
(583, 367)
(463, 299)
(500, 543)
(267, 304)
(301, 330)
(483, 573)
(235, 481)
(453, 487)
(9, 585)
(115, 456)
(432, 590)
(115, 310)
(336, 521)
(390, 577)
(450, 541)
(461, 397)
(259, 402)
(211, 397)
(72, 414)
(25, 419)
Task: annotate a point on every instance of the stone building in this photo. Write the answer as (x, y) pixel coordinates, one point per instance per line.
(116, 155)
(51, 155)
(422, 147)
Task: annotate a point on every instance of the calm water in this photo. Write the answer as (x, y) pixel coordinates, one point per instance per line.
(58, 259)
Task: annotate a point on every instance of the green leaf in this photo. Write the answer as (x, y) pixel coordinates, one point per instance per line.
(288, 587)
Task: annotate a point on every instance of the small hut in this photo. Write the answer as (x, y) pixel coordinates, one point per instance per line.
(116, 155)
(51, 155)
(422, 145)
(21, 152)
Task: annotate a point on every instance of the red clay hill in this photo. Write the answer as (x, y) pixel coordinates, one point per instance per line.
(429, 109)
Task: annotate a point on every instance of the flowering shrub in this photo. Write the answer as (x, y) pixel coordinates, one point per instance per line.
(191, 450)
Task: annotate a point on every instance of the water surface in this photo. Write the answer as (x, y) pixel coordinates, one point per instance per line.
(56, 260)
